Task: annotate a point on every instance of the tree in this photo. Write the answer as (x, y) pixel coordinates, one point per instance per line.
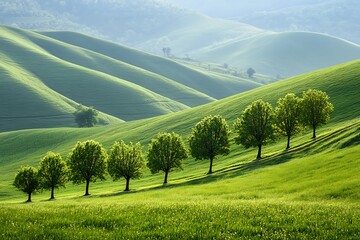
(316, 109)
(27, 181)
(209, 138)
(166, 153)
(287, 116)
(250, 72)
(255, 127)
(53, 172)
(86, 117)
(126, 161)
(87, 162)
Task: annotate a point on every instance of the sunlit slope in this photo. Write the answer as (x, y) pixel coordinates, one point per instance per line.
(211, 84)
(284, 54)
(340, 82)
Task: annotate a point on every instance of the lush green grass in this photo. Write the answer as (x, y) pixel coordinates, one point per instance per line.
(284, 54)
(54, 77)
(309, 192)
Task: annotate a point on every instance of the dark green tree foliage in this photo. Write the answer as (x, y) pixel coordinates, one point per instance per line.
(209, 138)
(255, 127)
(86, 117)
(27, 181)
(166, 153)
(126, 160)
(287, 116)
(316, 109)
(53, 172)
(87, 162)
(250, 72)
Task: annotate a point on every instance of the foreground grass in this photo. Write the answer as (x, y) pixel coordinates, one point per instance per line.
(203, 219)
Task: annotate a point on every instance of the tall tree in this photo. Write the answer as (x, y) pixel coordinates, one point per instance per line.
(255, 127)
(287, 116)
(87, 162)
(27, 181)
(126, 160)
(209, 138)
(166, 153)
(86, 117)
(250, 72)
(316, 109)
(53, 172)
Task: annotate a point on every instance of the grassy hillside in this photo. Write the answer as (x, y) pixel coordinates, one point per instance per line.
(273, 53)
(311, 191)
(83, 76)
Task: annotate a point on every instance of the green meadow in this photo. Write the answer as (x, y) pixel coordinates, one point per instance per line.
(311, 191)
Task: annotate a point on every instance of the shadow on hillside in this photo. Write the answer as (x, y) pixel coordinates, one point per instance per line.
(244, 168)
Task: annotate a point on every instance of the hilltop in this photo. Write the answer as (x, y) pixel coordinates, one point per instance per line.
(284, 54)
(45, 79)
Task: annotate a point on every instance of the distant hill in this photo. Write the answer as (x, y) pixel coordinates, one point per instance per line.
(44, 79)
(283, 54)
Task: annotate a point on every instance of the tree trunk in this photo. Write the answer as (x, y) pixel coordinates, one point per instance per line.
(259, 152)
(166, 177)
(288, 142)
(211, 163)
(127, 184)
(87, 187)
(314, 132)
(52, 193)
(29, 197)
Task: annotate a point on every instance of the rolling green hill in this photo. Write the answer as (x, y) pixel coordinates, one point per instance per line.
(311, 191)
(284, 54)
(72, 75)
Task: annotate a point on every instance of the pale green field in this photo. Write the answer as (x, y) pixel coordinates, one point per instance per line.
(309, 192)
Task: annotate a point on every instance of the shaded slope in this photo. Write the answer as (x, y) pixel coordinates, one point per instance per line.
(284, 54)
(211, 84)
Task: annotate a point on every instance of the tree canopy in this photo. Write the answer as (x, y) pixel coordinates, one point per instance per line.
(86, 116)
(316, 109)
(287, 116)
(166, 153)
(53, 172)
(27, 181)
(87, 162)
(255, 127)
(209, 138)
(126, 160)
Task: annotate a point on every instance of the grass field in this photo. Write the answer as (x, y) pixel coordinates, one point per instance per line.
(48, 78)
(309, 192)
(273, 53)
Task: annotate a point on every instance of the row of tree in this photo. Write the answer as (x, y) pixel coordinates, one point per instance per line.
(258, 125)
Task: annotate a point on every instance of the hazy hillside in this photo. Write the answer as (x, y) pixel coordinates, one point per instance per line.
(335, 17)
(145, 24)
(283, 54)
(96, 74)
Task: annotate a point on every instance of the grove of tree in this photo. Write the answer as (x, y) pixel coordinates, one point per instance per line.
(86, 116)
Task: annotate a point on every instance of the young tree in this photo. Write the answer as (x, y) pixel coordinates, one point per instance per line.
(87, 162)
(255, 127)
(86, 117)
(287, 116)
(166, 153)
(126, 161)
(209, 138)
(52, 172)
(27, 180)
(316, 109)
